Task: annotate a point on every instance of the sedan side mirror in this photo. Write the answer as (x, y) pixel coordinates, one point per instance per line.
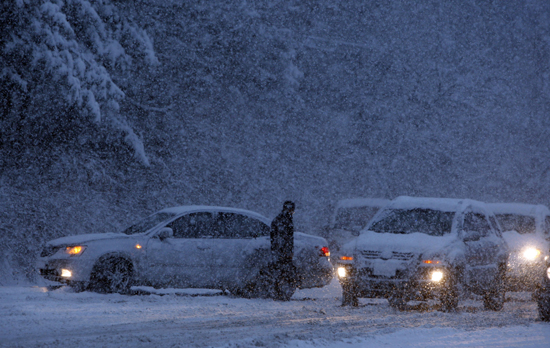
(165, 232)
(471, 236)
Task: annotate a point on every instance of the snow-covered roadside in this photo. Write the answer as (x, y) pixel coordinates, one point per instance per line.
(38, 317)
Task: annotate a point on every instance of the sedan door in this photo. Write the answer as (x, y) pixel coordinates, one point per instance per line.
(185, 258)
(241, 248)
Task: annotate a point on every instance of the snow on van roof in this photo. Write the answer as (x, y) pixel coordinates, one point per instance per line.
(196, 208)
(441, 204)
(518, 208)
(362, 202)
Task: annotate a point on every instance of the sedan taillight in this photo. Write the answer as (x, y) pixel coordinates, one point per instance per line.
(324, 252)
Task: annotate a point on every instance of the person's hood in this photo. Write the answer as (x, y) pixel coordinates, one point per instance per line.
(85, 238)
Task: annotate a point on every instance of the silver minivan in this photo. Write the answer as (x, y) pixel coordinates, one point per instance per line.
(422, 248)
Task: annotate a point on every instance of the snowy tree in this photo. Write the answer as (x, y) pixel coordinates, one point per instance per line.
(57, 64)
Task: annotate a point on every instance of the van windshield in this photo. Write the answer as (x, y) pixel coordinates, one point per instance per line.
(405, 221)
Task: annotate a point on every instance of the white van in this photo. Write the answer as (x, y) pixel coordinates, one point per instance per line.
(526, 229)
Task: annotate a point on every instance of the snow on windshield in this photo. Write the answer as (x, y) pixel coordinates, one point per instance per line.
(523, 224)
(401, 221)
(148, 223)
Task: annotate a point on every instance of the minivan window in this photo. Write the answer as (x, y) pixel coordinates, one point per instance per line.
(514, 222)
(405, 221)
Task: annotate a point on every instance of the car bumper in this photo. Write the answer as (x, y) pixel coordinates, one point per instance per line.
(52, 269)
(417, 286)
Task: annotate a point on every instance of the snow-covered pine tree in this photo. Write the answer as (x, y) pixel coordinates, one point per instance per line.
(56, 71)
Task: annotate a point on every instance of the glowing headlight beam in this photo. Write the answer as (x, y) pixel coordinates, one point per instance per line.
(548, 272)
(531, 254)
(342, 272)
(437, 276)
(65, 273)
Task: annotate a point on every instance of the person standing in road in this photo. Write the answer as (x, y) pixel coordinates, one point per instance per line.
(282, 248)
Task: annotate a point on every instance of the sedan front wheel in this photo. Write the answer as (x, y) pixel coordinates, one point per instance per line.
(112, 275)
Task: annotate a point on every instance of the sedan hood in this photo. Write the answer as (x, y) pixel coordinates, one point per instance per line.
(417, 243)
(84, 238)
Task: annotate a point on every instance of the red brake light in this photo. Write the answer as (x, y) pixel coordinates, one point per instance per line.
(325, 252)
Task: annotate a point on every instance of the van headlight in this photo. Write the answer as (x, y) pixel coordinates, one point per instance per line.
(436, 276)
(342, 272)
(531, 254)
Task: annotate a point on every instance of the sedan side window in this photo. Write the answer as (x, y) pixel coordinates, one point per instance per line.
(478, 223)
(196, 225)
(240, 226)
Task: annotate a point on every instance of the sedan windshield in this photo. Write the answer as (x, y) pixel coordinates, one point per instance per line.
(148, 223)
(401, 221)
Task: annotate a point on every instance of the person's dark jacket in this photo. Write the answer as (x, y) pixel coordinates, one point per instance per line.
(282, 237)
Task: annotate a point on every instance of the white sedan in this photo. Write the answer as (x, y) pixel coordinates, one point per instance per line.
(189, 246)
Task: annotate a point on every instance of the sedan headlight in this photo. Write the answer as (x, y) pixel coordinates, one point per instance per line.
(531, 254)
(75, 250)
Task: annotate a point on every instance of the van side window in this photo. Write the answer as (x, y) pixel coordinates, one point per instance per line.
(477, 222)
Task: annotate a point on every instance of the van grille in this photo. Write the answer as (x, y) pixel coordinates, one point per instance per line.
(396, 255)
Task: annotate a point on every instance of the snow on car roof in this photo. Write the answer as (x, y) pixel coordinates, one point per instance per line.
(362, 202)
(441, 204)
(196, 208)
(518, 208)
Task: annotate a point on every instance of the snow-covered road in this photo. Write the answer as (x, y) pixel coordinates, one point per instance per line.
(41, 317)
